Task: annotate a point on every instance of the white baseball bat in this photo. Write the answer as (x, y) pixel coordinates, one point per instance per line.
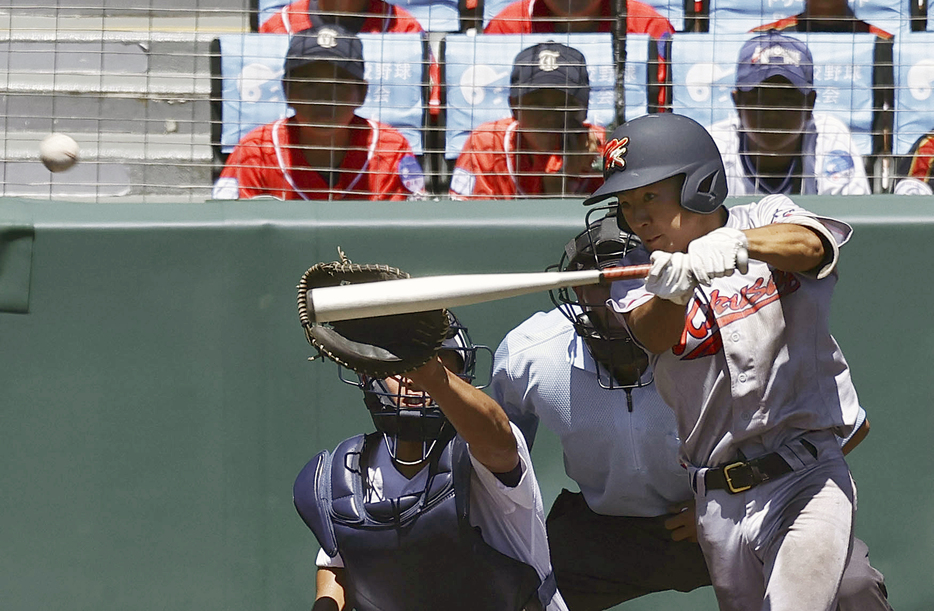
(405, 295)
(369, 299)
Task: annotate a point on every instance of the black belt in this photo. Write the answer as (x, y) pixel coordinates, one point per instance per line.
(743, 475)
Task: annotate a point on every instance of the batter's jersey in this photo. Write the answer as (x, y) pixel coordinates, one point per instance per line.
(756, 365)
(829, 163)
(379, 165)
(511, 520)
(383, 17)
(490, 168)
(625, 463)
(534, 16)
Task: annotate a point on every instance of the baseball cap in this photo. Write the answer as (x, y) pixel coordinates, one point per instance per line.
(330, 43)
(772, 54)
(550, 65)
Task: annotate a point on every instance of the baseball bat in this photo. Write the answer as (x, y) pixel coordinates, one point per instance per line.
(406, 295)
(370, 299)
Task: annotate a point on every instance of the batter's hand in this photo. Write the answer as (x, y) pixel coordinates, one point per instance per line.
(683, 524)
(670, 277)
(717, 254)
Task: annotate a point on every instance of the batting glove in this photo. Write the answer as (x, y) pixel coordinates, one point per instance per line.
(715, 254)
(670, 277)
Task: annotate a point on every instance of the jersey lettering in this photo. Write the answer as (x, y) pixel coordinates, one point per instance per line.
(705, 322)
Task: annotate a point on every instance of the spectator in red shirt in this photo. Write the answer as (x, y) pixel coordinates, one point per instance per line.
(825, 16)
(544, 148)
(359, 17)
(528, 16)
(325, 151)
(369, 16)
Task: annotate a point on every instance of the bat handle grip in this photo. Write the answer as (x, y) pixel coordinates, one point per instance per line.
(630, 272)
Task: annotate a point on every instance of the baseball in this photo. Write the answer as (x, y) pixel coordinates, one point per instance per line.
(58, 152)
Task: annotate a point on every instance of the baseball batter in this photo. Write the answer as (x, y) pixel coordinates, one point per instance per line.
(759, 387)
(629, 531)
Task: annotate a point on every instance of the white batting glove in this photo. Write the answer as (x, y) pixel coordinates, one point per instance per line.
(670, 277)
(716, 254)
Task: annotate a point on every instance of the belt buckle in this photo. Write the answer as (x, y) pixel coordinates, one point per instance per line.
(729, 482)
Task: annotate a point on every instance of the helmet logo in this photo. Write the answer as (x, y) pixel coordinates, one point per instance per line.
(327, 38)
(548, 61)
(613, 154)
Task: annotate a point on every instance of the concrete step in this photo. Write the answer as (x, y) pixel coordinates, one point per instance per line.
(92, 114)
(111, 164)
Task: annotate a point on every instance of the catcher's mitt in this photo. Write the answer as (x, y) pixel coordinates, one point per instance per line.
(380, 346)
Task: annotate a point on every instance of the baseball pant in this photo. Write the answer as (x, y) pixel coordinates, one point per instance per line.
(782, 545)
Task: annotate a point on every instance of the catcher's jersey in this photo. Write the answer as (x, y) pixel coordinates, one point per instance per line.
(511, 520)
(489, 167)
(830, 162)
(379, 165)
(756, 364)
(625, 463)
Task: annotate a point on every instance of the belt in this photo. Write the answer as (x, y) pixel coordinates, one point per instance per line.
(743, 475)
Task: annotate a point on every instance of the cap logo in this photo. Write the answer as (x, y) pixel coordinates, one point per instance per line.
(613, 154)
(327, 38)
(776, 54)
(548, 61)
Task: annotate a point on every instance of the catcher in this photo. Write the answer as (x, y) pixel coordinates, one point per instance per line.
(438, 508)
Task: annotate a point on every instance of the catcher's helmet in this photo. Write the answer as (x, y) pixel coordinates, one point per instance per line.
(621, 363)
(401, 413)
(654, 147)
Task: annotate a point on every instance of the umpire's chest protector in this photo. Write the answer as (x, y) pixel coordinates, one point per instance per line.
(413, 553)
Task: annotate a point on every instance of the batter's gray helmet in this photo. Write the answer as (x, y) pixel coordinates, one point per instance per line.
(654, 147)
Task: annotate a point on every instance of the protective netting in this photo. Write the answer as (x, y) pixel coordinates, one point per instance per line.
(157, 96)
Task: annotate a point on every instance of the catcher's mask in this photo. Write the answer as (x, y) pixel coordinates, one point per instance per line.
(402, 413)
(621, 364)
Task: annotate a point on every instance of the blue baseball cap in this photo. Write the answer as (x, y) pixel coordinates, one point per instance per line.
(551, 65)
(772, 54)
(329, 43)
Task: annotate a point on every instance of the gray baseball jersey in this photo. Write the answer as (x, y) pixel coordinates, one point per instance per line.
(757, 364)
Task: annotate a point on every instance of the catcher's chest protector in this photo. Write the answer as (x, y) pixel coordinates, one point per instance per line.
(416, 552)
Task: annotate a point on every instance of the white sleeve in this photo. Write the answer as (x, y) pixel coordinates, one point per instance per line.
(780, 209)
(507, 498)
(326, 562)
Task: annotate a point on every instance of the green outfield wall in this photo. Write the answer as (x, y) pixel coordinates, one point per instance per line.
(156, 401)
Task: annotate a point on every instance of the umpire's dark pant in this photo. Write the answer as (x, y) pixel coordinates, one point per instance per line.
(600, 561)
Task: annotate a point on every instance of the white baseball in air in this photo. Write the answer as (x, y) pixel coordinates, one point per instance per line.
(58, 152)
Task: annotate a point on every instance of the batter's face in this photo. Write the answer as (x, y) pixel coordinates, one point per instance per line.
(655, 214)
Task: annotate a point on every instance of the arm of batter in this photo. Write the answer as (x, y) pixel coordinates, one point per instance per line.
(659, 323)
(788, 247)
